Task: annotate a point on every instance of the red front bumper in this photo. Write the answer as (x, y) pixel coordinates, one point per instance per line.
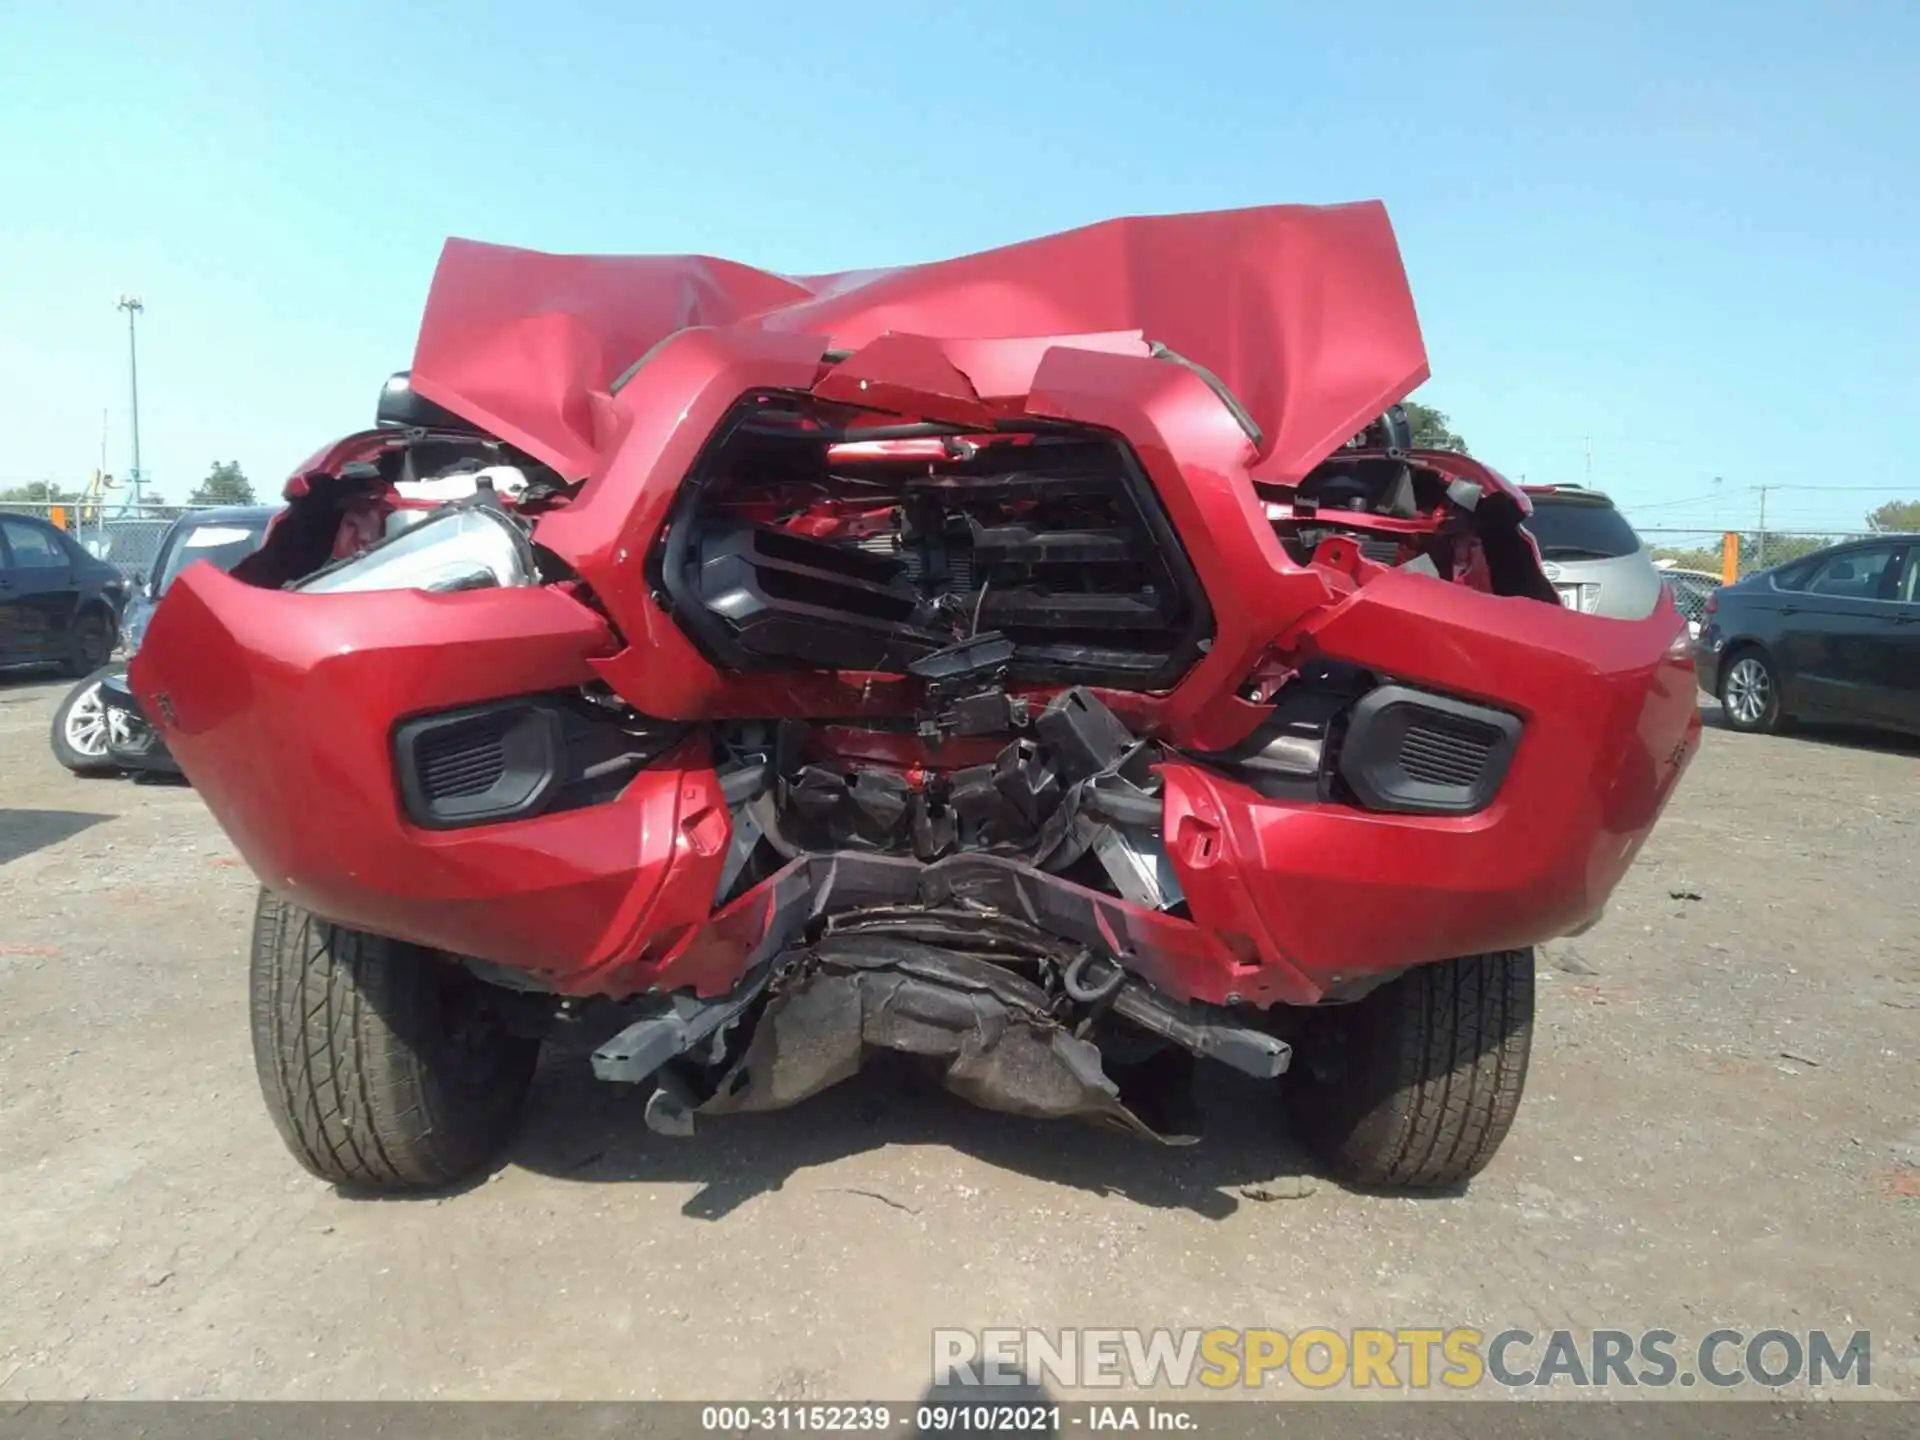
(280, 707)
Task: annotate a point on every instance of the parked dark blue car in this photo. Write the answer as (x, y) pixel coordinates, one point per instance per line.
(1833, 636)
(58, 604)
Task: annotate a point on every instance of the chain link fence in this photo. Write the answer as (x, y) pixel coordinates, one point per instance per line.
(1695, 563)
(1707, 551)
(125, 536)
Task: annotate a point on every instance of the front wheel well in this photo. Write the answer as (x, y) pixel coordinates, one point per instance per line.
(93, 607)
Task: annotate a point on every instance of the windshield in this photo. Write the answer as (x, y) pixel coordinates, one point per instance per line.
(1568, 529)
(225, 542)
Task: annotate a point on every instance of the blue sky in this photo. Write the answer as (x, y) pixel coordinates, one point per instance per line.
(1690, 232)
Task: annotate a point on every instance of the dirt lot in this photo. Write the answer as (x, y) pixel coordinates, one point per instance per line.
(1722, 1128)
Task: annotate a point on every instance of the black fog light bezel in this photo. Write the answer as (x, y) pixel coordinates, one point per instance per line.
(1371, 759)
(532, 738)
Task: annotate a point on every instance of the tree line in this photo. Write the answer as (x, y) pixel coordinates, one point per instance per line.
(226, 484)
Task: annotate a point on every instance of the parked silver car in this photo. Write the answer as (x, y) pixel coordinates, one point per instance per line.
(1591, 554)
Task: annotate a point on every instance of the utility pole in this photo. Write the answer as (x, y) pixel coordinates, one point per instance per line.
(131, 304)
(1760, 541)
(1589, 440)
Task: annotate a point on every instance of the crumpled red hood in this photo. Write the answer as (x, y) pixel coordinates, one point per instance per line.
(1302, 311)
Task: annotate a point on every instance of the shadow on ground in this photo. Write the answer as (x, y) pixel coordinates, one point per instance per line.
(579, 1128)
(1844, 737)
(17, 680)
(24, 831)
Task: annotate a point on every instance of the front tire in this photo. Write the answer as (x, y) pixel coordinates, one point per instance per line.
(382, 1064)
(1750, 691)
(80, 728)
(1416, 1085)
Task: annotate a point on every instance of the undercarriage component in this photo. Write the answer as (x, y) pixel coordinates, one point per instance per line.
(670, 1107)
(991, 712)
(1016, 1020)
(681, 1024)
(747, 835)
(1040, 799)
(1024, 778)
(991, 1032)
(1239, 1047)
(1084, 736)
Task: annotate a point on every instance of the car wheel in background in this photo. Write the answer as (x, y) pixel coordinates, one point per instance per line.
(1750, 691)
(80, 728)
(1416, 1085)
(89, 642)
(383, 1065)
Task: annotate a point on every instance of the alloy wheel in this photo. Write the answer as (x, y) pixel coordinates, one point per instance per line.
(87, 724)
(90, 724)
(1749, 690)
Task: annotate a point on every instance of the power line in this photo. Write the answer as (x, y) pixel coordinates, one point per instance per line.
(1676, 504)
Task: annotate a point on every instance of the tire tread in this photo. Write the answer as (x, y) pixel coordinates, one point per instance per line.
(1441, 1058)
(344, 1024)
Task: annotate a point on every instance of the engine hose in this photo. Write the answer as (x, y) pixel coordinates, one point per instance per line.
(1074, 982)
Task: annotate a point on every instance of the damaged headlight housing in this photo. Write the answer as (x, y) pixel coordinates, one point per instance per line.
(462, 547)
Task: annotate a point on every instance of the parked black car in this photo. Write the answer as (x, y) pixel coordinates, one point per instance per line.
(98, 728)
(1832, 636)
(58, 604)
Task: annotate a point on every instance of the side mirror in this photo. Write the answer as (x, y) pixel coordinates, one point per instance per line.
(400, 408)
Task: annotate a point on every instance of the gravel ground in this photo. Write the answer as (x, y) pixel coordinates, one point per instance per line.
(1721, 1128)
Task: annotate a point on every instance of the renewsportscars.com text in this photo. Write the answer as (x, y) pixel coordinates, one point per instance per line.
(1457, 1358)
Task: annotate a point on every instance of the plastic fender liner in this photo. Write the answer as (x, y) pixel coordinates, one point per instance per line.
(990, 1028)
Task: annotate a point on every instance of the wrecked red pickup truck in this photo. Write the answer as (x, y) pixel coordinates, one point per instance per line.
(1055, 663)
